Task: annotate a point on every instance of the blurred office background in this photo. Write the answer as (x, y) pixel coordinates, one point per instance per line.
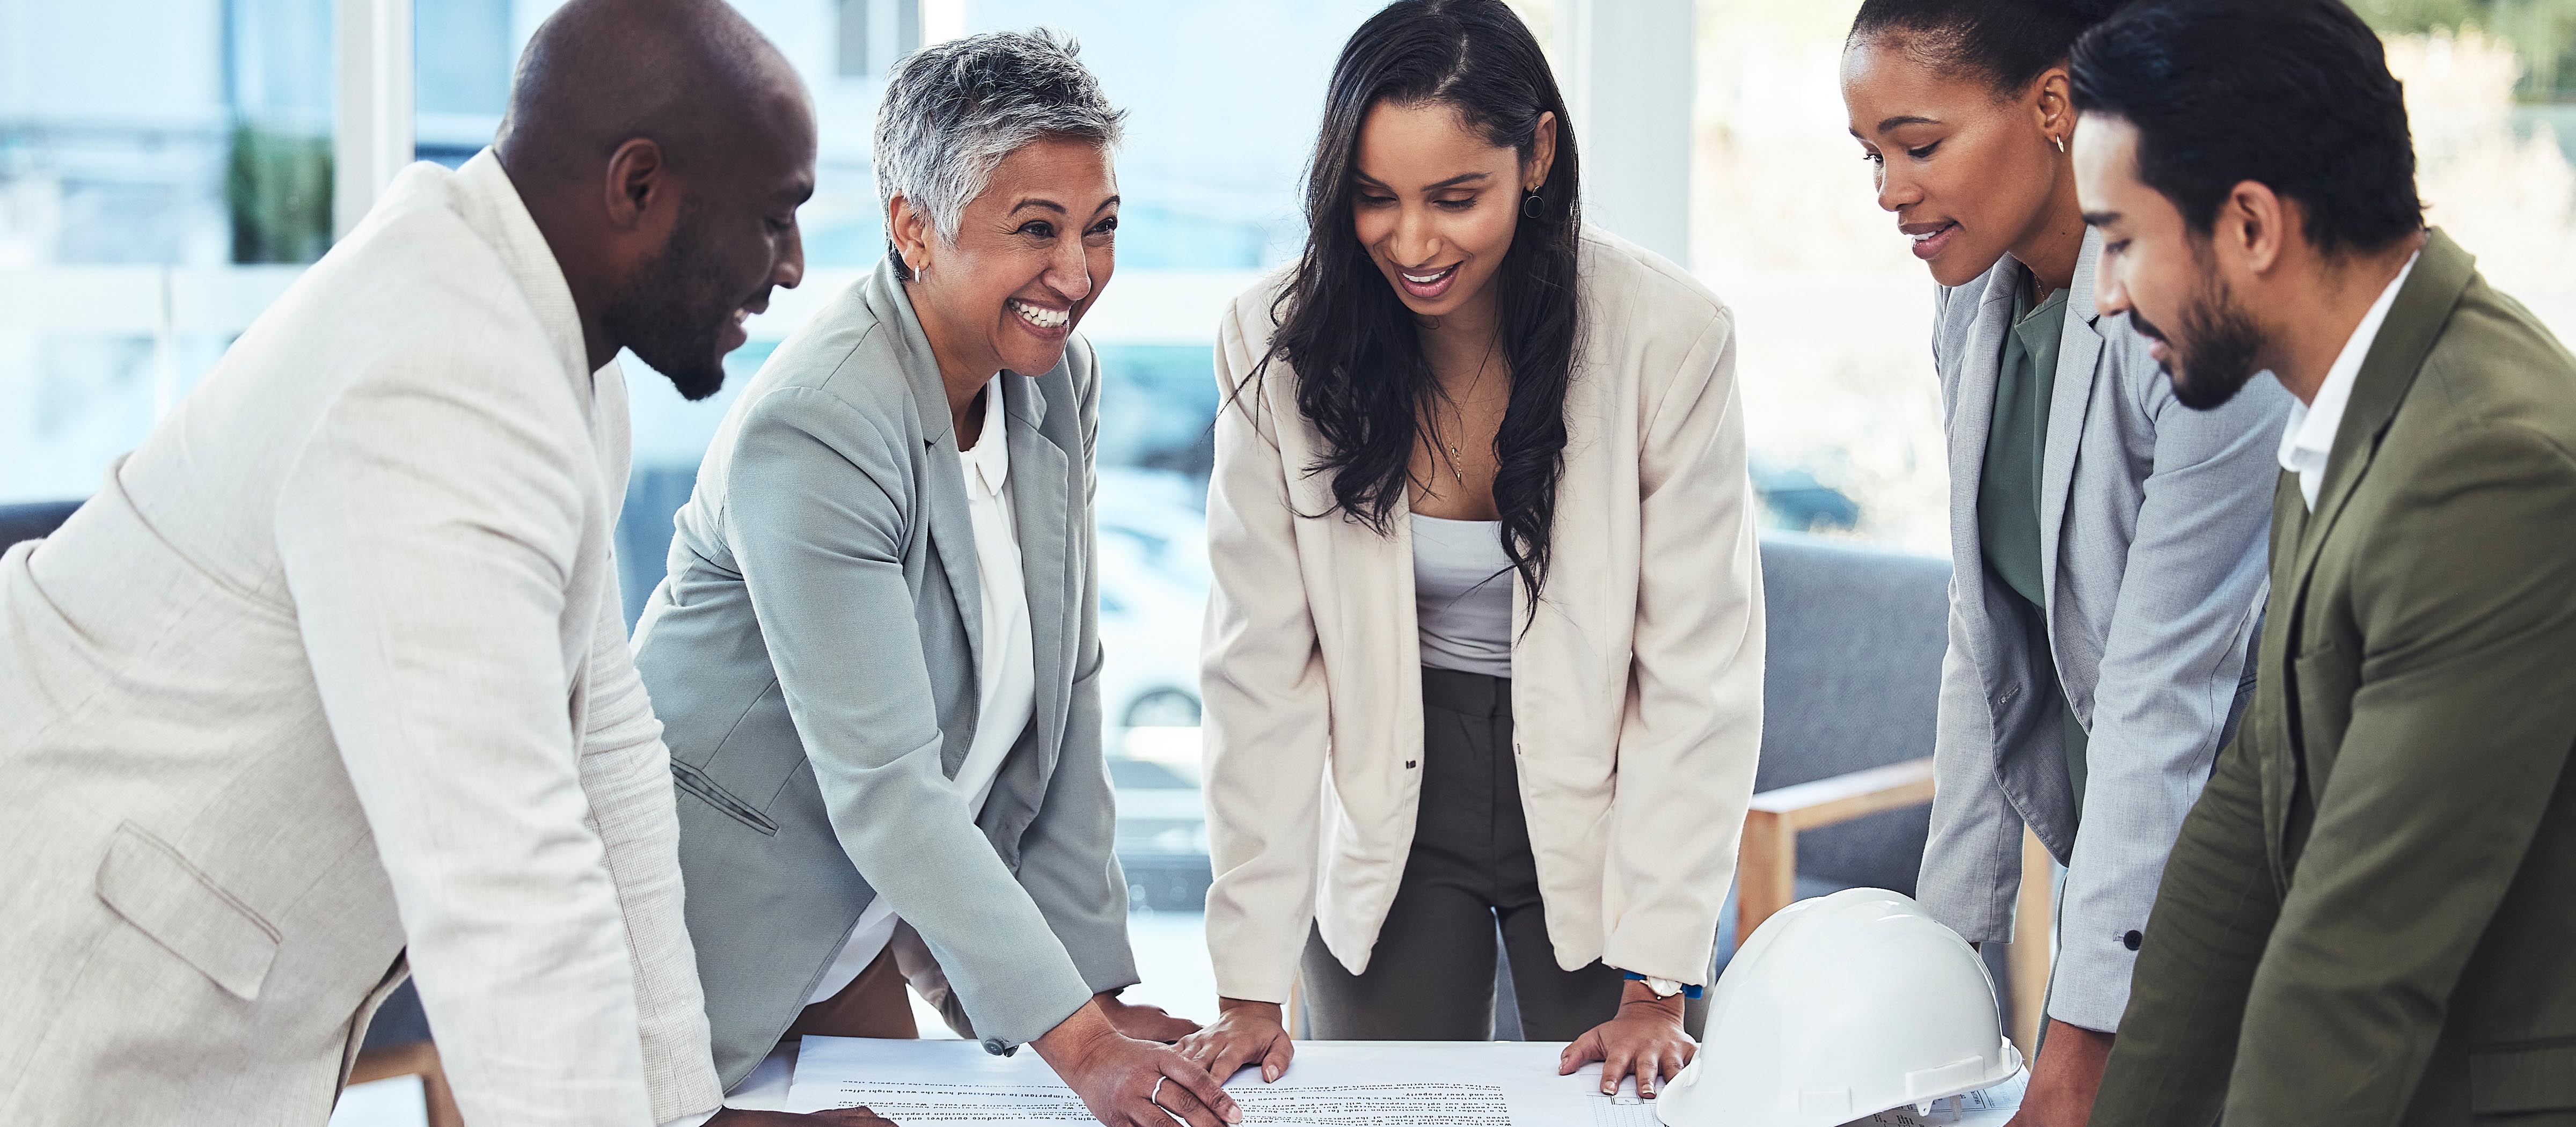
(167, 167)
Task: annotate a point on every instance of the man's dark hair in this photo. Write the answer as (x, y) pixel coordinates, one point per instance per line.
(2291, 94)
(2005, 42)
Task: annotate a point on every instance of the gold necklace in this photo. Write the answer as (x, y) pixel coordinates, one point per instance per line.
(1457, 409)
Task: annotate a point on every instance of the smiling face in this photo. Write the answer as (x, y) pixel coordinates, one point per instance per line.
(732, 239)
(1970, 171)
(1032, 254)
(1436, 204)
(2167, 277)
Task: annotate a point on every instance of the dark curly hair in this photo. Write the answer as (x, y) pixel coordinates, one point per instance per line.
(2292, 94)
(1362, 380)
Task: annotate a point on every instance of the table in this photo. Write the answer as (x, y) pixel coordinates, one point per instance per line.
(1332, 1084)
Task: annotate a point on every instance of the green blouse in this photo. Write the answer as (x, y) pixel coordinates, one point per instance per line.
(2008, 494)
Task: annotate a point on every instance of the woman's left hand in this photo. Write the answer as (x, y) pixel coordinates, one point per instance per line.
(1145, 1023)
(1645, 1038)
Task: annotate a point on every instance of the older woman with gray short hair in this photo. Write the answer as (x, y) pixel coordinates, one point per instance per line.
(876, 650)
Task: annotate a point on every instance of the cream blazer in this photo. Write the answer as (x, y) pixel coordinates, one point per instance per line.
(1636, 688)
(332, 668)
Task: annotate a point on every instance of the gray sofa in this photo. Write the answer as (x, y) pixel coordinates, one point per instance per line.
(1851, 682)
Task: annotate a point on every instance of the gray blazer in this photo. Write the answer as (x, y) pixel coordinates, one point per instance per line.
(813, 656)
(2156, 518)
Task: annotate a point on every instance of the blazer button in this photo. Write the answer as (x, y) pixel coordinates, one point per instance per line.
(2132, 940)
(995, 1046)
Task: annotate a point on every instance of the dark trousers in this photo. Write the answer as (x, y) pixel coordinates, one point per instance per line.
(1432, 974)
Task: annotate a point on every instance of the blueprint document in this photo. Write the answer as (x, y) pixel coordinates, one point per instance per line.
(1332, 1084)
(1992, 1107)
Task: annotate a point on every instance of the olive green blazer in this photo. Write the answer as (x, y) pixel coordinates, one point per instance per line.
(2370, 917)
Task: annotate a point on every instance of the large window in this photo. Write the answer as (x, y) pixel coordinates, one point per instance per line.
(168, 166)
(165, 168)
(1217, 140)
(1785, 224)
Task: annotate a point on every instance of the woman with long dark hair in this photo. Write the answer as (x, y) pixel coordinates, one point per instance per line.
(2108, 540)
(1485, 648)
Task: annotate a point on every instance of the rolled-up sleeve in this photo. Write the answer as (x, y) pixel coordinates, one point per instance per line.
(626, 771)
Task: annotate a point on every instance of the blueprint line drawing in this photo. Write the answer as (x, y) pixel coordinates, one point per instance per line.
(1331, 1084)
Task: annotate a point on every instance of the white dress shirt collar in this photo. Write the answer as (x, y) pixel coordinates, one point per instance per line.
(2309, 438)
(988, 465)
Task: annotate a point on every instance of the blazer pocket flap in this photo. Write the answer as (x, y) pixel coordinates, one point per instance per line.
(166, 898)
(2523, 1078)
(694, 782)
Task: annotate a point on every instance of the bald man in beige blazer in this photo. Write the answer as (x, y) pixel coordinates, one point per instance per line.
(329, 684)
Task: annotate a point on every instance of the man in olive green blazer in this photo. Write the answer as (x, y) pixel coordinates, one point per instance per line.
(2370, 917)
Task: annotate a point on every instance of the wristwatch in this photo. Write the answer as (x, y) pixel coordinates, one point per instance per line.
(1663, 987)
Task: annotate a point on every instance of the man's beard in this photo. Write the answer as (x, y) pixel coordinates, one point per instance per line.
(670, 314)
(2216, 356)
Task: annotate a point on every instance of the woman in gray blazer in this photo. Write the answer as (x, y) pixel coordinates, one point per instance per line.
(876, 650)
(2107, 539)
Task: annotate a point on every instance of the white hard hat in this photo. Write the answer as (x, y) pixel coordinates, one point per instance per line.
(1841, 1007)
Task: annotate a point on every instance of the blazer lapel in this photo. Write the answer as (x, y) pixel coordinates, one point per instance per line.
(1972, 402)
(1972, 418)
(1040, 505)
(2277, 772)
(1972, 415)
(2414, 322)
(943, 495)
(2079, 354)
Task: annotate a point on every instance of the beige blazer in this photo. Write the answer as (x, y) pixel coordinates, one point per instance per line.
(332, 667)
(1636, 688)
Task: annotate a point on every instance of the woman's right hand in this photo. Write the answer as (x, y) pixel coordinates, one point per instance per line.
(1242, 1033)
(1131, 1083)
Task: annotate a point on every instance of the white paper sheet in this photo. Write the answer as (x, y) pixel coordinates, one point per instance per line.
(1332, 1084)
(1992, 1107)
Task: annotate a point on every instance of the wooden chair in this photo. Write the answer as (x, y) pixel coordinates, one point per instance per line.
(1766, 869)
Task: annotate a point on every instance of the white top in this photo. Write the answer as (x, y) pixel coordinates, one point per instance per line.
(1462, 595)
(2309, 437)
(1006, 690)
